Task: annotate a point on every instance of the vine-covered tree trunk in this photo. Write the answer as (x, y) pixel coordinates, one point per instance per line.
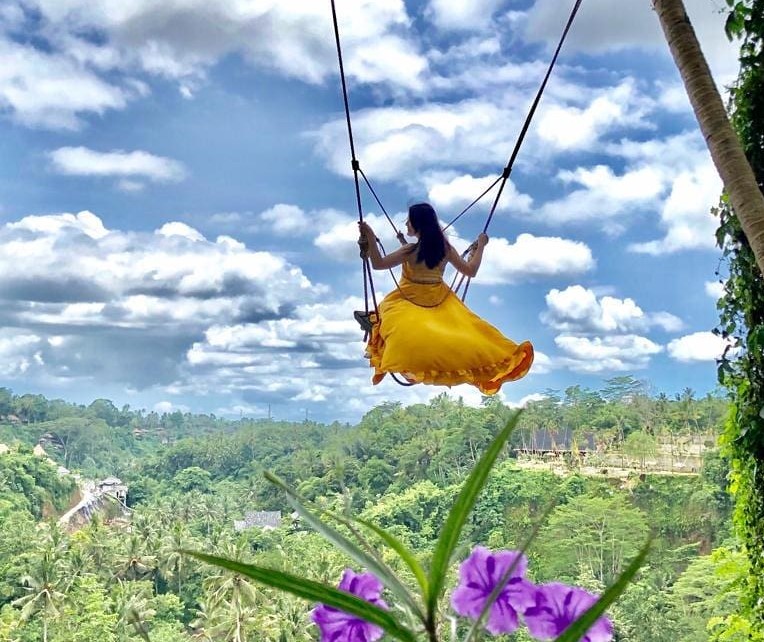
(726, 151)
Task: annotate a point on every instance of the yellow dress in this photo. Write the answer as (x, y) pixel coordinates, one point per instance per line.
(426, 334)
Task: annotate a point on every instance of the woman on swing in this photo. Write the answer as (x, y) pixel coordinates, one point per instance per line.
(424, 331)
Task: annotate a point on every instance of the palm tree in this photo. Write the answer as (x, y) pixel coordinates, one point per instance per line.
(237, 594)
(133, 562)
(97, 544)
(133, 609)
(726, 151)
(172, 562)
(43, 596)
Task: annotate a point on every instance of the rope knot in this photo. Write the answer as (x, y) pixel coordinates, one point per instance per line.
(363, 245)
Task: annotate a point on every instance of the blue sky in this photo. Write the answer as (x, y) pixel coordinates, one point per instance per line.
(177, 213)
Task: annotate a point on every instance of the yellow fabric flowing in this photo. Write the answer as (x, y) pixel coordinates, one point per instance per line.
(426, 334)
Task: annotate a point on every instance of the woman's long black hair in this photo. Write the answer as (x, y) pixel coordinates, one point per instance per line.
(431, 247)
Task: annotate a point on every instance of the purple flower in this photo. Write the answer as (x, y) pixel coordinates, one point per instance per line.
(479, 575)
(338, 626)
(557, 606)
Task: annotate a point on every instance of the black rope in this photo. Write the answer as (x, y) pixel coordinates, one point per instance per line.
(469, 207)
(353, 160)
(502, 179)
(401, 382)
(508, 169)
(368, 282)
(510, 164)
(518, 143)
(398, 233)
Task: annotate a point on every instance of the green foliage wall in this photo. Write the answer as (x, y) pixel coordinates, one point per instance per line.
(742, 307)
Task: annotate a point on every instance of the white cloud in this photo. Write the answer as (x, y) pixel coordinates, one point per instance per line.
(42, 89)
(533, 257)
(182, 39)
(459, 15)
(603, 195)
(19, 352)
(602, 26)
(536, 396)
(569, 127)
(542, 364)
(339, 240)
(85, 222)
(618, 353)
(284, 219)
(698, 346)
(142, 298)
(714, 289)
(81, 161)
(164, 407)
(453, 193)
(686, 214)
(578, 309)
(398, 142)
(176, 228)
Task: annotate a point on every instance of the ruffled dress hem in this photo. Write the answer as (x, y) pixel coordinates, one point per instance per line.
(488, 379)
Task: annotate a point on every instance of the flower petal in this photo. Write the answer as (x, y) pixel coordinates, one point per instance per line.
(557, 606)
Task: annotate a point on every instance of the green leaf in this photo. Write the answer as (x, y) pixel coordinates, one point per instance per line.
(370, 562)
(406, 555)
(578, 629)
(315, 592)
(449, 535)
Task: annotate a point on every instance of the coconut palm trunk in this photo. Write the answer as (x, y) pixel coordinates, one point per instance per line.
(726, 151)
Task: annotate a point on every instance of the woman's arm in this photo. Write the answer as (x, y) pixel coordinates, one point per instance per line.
(379, 262)
(469, 267)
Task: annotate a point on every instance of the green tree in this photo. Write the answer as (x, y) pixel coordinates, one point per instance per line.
(708, 588)
(44, 586)
(86, 615)
(640, 446)
(742, 307)
(598, 533)
(193, 478)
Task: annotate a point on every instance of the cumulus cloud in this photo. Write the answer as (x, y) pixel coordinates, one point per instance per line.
(81, 161)
(698, 346)
(686, 214)
(403, 143)
(602, 26)
(714, 289)
(453, 193)
(670, 176)
(398, 142)
(284, 219)
(141, 298)
(618, 353)
(459, 15)
(569, 127)
(181, 40)
(602, 334)
(602, 195)
(533, 257)
(579, 310)
(168, 406)
(20, 351)
(339, 239)
(42, 89)
(536, 396)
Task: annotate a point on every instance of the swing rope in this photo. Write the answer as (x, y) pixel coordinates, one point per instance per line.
(368, 281)
(518, 143)
(501, 180)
